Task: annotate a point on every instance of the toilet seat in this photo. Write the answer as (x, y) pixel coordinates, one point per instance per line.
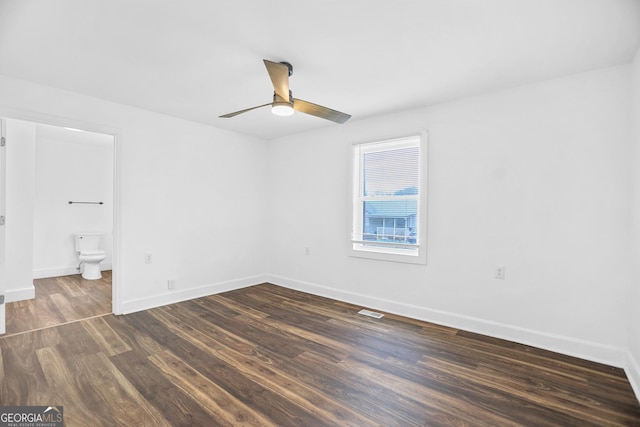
(93, 252)
(92, 256)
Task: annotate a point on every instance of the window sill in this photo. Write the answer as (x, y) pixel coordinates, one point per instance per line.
(416, 257)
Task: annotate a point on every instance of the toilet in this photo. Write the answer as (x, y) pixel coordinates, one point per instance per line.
(87, 245)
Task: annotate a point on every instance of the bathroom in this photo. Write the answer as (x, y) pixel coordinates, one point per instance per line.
(70, 166)
(48, 167)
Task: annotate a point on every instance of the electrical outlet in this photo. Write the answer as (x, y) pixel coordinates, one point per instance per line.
(147, 258)
(500, 272)
(171, 284)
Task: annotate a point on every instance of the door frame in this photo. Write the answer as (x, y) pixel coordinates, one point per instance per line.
(3, 196)
(116, 133)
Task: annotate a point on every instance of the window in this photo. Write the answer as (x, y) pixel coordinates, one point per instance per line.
(389, 204)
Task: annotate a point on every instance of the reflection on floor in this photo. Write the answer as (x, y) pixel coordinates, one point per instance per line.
(60, 300)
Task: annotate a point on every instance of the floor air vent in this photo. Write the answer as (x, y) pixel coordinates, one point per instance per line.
(371, 314)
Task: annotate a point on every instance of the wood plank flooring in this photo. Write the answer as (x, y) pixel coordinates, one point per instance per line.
(270, 356)
(60, 300)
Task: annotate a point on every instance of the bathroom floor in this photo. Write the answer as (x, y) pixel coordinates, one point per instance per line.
(60, 300)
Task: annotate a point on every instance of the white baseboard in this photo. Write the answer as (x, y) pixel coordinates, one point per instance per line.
(582, 349)
(13, 295)
(44, 273)
(178, 295)
(633, 373)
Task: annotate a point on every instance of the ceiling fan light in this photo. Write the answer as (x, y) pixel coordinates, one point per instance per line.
(282, 109)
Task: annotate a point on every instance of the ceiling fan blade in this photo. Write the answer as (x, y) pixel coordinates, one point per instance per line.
(226, 116)
(279, 74)
(320, 111)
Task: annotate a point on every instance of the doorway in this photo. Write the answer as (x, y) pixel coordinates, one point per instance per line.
(48, 166)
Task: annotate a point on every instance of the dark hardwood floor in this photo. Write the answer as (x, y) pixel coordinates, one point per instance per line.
(60, 300)
(270, 356)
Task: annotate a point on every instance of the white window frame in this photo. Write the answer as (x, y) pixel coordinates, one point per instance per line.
(413, 253)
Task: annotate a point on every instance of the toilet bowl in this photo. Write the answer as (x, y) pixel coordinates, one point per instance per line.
(91, 261)
(89, 255)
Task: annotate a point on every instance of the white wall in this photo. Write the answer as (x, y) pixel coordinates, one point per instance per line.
(75, 166)
(634, 294)
(20, 152)
(188, 194)
(535, 178)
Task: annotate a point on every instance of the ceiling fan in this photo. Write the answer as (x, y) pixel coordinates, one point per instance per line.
(284, 103)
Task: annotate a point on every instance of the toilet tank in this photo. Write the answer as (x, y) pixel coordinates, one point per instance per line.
(87, 241)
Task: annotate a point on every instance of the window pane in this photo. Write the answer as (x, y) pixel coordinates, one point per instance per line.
(392, 172)
(390, 220)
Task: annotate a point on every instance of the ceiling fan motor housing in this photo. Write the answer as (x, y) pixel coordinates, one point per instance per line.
(277, 98)
(289, 66)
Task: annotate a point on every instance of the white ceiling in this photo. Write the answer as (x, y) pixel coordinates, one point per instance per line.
(198, 59)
